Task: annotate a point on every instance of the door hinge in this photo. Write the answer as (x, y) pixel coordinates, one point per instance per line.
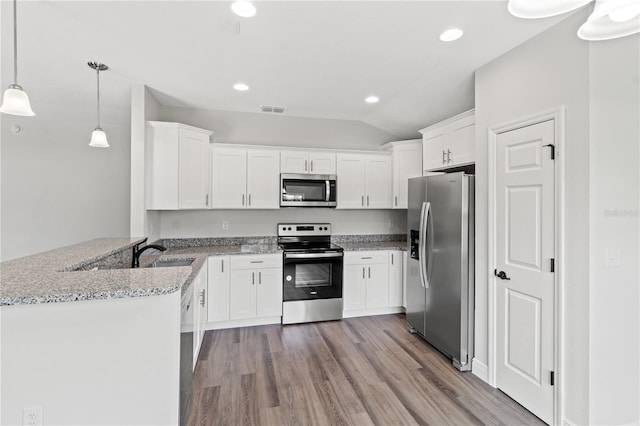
(553, 265)
(553, 378)
(553, 150)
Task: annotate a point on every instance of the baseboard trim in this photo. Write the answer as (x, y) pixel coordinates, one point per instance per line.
(480, 370)
(242, 323)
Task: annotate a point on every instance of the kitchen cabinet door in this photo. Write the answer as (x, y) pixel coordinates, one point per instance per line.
(203, 276)
(462, 141)
(242, 294)
(407, 164)
(294, 162)
(263, 179)
(177, 166)
(395, 278)
(351, 181)
(322, 163)
(434, 155)
(377, 286)
(353, 287)
(377, 182)
(228, 178)
(269, 292)
(193, 170)
(218, 288)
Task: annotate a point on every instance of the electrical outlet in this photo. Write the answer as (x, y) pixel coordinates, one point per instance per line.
(32, 416)
(612, 257)
(225, 225)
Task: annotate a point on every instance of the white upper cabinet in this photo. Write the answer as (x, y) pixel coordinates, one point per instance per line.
(245, 178)
(263, 179)
(364, 181)
(177, 166)
(407, 164)
(308, 162)
(450, 143)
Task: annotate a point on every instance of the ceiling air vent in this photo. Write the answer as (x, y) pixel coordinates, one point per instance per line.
(273, 109)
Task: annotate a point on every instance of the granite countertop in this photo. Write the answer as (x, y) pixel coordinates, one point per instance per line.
(63, 275)
(373, 245)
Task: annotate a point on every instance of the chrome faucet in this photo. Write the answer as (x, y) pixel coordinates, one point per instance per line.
(135, 261)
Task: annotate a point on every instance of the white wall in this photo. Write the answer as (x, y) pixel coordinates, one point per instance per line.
(198, 223)
(280, 130)
(547, 71)
(614, 346)
(56, 190)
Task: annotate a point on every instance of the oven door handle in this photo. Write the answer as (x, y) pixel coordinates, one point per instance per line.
(313, 255)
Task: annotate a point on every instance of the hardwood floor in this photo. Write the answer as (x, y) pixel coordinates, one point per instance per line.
(357, 371)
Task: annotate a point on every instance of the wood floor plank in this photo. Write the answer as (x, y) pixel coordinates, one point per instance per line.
(358, 371)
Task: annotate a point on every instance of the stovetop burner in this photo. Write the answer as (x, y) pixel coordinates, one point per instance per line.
(306, 237)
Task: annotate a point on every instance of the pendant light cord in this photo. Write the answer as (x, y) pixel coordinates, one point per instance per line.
(98, 90)
(15, 42)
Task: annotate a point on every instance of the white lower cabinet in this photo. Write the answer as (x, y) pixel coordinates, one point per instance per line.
(365, 282)
(218, 286)
(395, 278)
(255, 289)
(199, 310)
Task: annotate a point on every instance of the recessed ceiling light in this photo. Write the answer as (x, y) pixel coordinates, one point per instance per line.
(372, 99)
(451, 35)
(243, 8)
(241, 87)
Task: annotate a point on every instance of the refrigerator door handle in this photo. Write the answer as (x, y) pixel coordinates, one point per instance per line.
(430, 234)
(424, 219)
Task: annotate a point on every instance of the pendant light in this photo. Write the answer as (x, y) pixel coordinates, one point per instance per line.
(15, 100)
(98, 137)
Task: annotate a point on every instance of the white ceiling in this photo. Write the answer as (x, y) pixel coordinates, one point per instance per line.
(317, 58)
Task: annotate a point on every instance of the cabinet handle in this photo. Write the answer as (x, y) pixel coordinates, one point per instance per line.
(249, 199)
(366, 257)
(259, 277)
(448, 156)
(256, 261)
(243, 199)
(363, 201)
(367, 201)
(206, 200)
(369, 271)
(203, 298)
(363, 272)
(305, 165)
(396, 201)
(222, 265)
(392, 258)
(311, 165)
(253, 278)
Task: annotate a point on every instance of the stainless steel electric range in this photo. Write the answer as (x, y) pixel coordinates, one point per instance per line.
(312, 273)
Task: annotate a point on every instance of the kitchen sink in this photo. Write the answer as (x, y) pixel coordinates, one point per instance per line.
(168, 263)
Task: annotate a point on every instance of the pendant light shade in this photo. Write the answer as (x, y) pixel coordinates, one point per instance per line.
(99, 139)
(612, 19)
(531, 9)
(15, 100)
(98, 136)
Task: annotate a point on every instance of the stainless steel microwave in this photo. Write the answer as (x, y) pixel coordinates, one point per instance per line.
(299, 190)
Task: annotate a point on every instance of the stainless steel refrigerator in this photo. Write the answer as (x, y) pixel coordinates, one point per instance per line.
(440, 265)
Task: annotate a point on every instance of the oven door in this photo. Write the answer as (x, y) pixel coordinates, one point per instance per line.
(308, 276)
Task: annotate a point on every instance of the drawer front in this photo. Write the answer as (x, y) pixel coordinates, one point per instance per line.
(366, 257)
(255, 261)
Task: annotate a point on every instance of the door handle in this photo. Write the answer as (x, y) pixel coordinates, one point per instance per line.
(444, 157)
(448, 156)
(363, 272)
(363, 201)
(243, 199)
(311, 165)
(369, 271)
(249, 199)
(367, 200)
(253, 278)
(259, 277)
(206, 200)
(502, 275)
(396, 201)
(305, 165)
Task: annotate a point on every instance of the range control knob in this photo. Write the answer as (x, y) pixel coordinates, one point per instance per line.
(289, 278)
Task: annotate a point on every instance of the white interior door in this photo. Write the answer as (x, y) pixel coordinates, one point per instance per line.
(524, 244)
